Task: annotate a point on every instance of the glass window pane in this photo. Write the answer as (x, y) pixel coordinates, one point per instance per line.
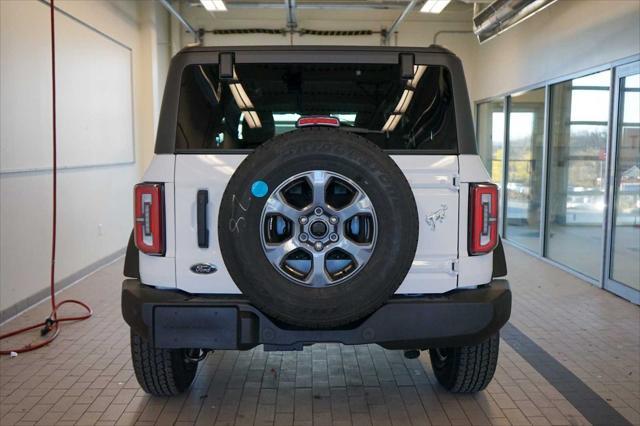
(631, 105)
(625, 250)
(577, 172)
(267, 99)
(590, 105)
(491, 137)
(524, 171)
(602, 79)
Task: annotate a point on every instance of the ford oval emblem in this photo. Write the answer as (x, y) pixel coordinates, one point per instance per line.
(203, 268)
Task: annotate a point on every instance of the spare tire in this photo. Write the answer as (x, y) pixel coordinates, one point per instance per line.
(318, 227)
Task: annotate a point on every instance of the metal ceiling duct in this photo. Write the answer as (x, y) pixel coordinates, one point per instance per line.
(501, 15)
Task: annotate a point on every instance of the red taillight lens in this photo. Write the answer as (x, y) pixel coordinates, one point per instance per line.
(483, 218)
(149, 218)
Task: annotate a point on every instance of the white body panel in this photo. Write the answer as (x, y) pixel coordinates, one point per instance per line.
(433, 180)
(439, 184)
(195, 172)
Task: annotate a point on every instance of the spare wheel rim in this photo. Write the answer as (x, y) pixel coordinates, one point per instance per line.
(318, 228)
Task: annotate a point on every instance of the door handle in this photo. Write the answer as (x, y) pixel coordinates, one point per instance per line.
(202, 199)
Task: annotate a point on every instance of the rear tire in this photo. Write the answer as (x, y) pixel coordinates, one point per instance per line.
(332, 151)
(161, 372)
(466, 369)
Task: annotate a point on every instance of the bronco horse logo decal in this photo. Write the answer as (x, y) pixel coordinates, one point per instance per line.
(437, 216)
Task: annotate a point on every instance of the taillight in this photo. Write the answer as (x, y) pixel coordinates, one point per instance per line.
(483, 218)
(149, 218)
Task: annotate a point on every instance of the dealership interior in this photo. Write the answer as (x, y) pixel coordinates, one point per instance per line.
(554, 91)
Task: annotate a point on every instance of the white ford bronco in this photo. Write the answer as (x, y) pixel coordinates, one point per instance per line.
(300, 195)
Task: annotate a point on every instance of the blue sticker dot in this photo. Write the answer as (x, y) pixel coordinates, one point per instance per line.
(259, 188)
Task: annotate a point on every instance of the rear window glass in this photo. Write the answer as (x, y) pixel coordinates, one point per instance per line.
(264, 100)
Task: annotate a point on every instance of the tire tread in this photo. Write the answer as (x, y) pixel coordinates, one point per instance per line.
(160, 372)
(468, 369)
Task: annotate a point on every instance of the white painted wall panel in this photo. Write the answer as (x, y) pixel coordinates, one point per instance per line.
(94, 203)
(564, 38)
(94, 83)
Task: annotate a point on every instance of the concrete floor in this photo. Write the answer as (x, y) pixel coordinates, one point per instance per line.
(570, 355)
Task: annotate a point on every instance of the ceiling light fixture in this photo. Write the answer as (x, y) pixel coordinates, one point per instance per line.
(244, 102)
(405, 99)
(433, 6)
(418, 72)
(214, 5)
(252, 119)
(404, 102)
(391, 123)
(241, 97)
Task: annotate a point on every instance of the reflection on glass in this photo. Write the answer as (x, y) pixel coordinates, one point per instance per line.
(524, 169)
(491, 137)
(625, 250)
(577, 172)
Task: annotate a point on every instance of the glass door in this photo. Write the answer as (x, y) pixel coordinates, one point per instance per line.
(622, 269)
(577, 183)
(524, 168)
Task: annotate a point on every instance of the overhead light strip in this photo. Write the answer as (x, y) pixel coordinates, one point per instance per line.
(391, 123)
(244, 102)
(434, 6)
(404, 102)
(252, 119)
(214, 5)
(418, 72)
(405, 99)
(241, 97)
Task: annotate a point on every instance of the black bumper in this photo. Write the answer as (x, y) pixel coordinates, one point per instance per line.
(174, 319)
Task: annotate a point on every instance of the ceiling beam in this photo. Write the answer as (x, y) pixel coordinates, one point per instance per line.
(399, 20)
(292, 23)
(167, 4)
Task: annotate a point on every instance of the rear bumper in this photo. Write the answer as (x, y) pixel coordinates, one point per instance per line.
(174, 319)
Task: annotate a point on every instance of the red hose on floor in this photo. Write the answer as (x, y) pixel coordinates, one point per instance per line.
(50, 326)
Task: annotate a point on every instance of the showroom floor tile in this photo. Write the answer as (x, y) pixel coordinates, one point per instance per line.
(569, 356)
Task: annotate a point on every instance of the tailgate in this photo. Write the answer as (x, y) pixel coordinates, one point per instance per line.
(434, 182)
(433, 179)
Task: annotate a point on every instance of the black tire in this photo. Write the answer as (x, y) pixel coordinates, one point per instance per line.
(301, 151)
(466, 369)
(161, 372)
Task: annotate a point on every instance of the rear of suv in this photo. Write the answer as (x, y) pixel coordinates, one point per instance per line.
(300, 195)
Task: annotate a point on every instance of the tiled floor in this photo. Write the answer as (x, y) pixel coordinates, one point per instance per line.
(85, 377)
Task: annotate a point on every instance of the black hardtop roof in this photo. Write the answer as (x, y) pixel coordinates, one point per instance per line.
(437, 55)
(434, 48)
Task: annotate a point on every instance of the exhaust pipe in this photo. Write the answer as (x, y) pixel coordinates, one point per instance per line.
(412, 354)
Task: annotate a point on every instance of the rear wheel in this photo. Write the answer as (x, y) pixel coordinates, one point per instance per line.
(466, 369)
(161, 372)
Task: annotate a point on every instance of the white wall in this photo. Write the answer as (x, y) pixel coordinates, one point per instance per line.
(94, 204)
(564, 38)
